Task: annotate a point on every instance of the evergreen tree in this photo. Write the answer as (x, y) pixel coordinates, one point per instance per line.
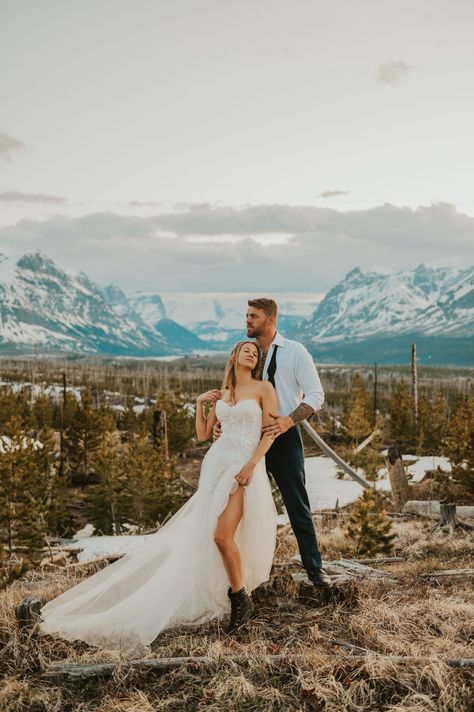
(402, 426)
(106, 500)
(7, 408)
(23, 491)
(432, 424)
(82, 438)
(59, 517)
(179, 419)
(368, 526)
(42, 411)
(359, 416)
(460, 443)
(153, 485)
(131, 424)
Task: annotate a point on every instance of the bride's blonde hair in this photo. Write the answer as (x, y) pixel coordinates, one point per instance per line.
(230, 377)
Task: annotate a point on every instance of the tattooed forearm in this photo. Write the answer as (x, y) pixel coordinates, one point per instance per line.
(302, 412)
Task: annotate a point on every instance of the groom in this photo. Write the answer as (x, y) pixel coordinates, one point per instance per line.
(290, 368)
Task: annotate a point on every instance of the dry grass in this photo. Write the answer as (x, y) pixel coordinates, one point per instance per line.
(411, 617)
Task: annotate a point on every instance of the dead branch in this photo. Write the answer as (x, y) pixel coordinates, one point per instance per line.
(84, 671)
(443, 573)
(366, 442)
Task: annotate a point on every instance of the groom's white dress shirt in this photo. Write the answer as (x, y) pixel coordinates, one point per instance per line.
(296, 377)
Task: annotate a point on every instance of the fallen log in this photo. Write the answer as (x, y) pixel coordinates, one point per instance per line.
(380, 560)
(409, 659)
(85, 671)
(349, 567)
(355, 569)
(110, 558)
(442, 573)
(82, 671)
(432, 509)
(334, 456)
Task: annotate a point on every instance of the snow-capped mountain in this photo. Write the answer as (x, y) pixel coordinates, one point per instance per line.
(54, 309)
(421, 301)
(219, 317)
(365, 317)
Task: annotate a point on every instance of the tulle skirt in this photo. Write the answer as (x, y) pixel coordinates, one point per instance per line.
(177, 577)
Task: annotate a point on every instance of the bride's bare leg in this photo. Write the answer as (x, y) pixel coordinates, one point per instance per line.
(224, 537)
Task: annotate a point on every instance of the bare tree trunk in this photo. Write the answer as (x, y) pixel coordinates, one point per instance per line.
(398, 477)
(448, 522)
(375, 392)
(414, 386)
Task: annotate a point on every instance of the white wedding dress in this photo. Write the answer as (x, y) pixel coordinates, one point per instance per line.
(178, 577)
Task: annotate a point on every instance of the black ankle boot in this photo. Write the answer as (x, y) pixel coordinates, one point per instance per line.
(320, 578)
(241, 609)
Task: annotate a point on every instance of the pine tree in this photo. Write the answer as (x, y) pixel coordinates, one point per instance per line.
(180, 422)
(106, 501)
(402, 426)
(130, 424)
(23, 491)
(369, 527)
(42, 411)
(12, 459)
(82, 438)
(432, 424)
(460, 443)
(59, 517)
(359, 417)
(153, 486)
(7, 408)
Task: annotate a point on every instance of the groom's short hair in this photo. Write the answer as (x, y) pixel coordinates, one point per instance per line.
(269, 306)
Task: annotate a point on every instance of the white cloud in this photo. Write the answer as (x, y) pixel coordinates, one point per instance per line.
(250, 248)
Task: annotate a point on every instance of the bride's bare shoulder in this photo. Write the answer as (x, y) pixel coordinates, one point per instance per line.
(264, 389)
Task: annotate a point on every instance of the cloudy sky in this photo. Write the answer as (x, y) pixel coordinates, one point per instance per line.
(205, 145)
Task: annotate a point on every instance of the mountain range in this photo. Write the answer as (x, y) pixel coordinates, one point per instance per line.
(365, 317)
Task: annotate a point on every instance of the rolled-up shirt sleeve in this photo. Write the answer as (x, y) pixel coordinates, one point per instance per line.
(308, 379)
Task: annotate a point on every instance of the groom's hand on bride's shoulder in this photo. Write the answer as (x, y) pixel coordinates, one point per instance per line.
(281, 423)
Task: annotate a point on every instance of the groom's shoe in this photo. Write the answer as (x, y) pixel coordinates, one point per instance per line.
(320, 578)
(241, 609)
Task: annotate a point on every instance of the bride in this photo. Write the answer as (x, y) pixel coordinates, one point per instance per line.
(211, 554)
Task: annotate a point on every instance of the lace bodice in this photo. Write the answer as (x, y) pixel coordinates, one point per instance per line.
(241, 423)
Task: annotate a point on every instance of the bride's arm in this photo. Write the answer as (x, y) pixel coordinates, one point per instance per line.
(269, 405)
(205, 424)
